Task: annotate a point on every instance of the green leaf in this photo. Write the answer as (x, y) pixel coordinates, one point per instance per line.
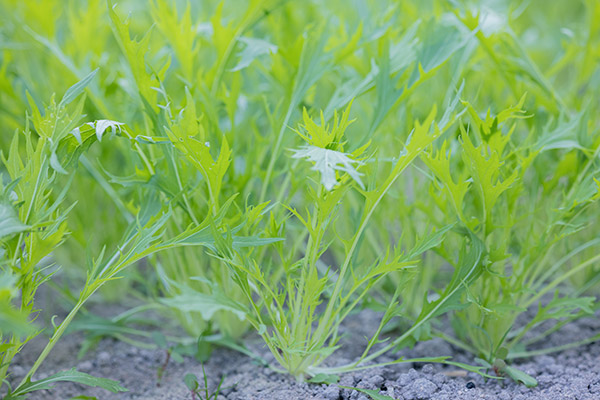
(203, 349)
(71, 375)
(429, 241)
(78, 88)
(160, 340)
(191, 381)
(207, 305)
(467, 270)
(563, 136)
(253, 49)
(10, 223)
(324, 378)
(564, 307)
(13, 322)
(485, 162)
(134, 51)
(440, 41)
(520, 376)
(55, 164)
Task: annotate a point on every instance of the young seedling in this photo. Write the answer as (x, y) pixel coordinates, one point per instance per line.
(203, 393)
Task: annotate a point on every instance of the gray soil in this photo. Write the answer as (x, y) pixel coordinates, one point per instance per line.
(571, 374)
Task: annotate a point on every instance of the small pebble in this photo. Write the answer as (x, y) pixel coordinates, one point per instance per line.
(331, 393)
(17, 370)
(421, 389)
(85, 366)
(376, 381)
(427, 369)
(103, 358)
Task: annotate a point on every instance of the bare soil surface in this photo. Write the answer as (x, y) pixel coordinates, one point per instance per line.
(570, 374)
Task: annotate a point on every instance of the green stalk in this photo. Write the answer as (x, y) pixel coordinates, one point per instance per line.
(55, 337)
(554, 349)
(326, 319)
(107, 188)
(414, 327)
(560, 279)
(275, 152)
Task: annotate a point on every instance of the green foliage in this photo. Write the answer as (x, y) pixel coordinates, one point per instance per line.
(191, 381)
(277, 166)
(71, 375)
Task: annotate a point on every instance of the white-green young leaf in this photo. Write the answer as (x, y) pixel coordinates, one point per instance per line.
(102, 125)
(253, 49)
(71, 375)
(77, 135)
(55, 164)
(327, 162)
(9, 221)
(77, 89)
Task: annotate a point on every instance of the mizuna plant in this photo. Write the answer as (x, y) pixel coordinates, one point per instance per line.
(490, 191)
(34, 224)
(280, 166)
(494, 179)
(299, 334)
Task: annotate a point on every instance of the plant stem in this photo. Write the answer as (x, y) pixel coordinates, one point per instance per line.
(58, 332)
(275, 153)
(560, 279)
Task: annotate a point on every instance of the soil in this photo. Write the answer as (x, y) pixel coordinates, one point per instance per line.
(571, 374)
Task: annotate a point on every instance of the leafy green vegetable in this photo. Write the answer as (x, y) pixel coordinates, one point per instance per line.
(277, 166)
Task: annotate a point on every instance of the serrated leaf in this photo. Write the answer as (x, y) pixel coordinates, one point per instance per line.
(12, 321)
(71, 375)
(71, 147)
(429, 241)
(564, 307)
(10, 223)
(207, 305)
(563, 136)
(134, 51)
(327, 162)
(484, 163)
(253, 49)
